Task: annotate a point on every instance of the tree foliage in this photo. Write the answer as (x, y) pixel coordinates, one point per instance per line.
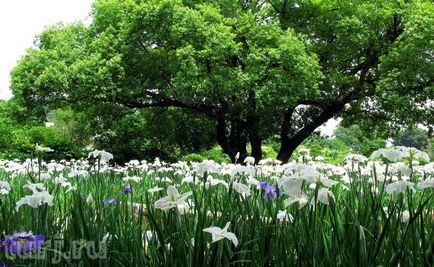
(18, 138)
(412, 138)
(254, 68)
(358, 141)
(147, 134)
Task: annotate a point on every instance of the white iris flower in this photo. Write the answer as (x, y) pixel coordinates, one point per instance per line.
(219, 234)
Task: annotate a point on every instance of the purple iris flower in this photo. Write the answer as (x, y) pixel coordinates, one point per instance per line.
(270, 191)
(2, 264)
(21, 242)
(128, 190)
(110, 201)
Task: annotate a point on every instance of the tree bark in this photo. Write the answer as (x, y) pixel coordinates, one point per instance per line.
(252, 125)
(289, 144)
(237, 136)
(236, 142)
(256, 143)
(222, 140)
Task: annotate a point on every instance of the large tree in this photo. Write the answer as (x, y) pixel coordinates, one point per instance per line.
(256, 68)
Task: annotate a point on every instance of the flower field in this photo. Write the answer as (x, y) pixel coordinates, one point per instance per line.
(376, 211)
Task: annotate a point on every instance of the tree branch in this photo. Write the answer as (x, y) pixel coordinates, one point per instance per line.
(201, 108)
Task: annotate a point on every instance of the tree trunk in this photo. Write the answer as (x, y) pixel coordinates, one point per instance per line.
(252, 124)
(237, 137)
(286, 147)
(256, 144)
(236, 142)
(242, 149)
(222, 140)
(289, 144)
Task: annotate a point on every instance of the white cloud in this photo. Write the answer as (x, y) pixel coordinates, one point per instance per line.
(22, 20)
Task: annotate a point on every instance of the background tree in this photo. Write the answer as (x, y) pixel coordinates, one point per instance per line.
(71, 125)
(18, 137)
(141, 134)
(412, 137)
(146, 134)
(254, 68)
(358, 140)
(6, 126)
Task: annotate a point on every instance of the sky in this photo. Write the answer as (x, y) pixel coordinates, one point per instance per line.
(22, 20)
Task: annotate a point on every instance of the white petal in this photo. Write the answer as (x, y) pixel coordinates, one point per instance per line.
(172, 192)
(213, 230)
(225, 229)
(231, 237)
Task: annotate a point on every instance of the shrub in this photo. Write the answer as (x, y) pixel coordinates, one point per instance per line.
(193, 157)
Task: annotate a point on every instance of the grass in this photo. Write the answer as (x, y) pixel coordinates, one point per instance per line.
(362, 226)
